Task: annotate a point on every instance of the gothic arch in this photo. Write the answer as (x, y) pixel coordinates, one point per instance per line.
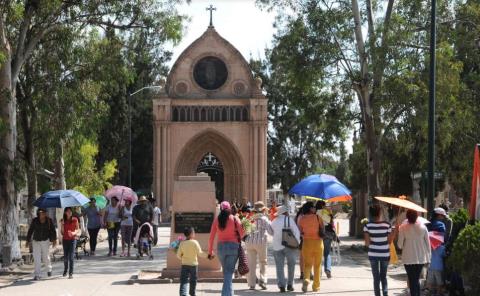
(216, 143)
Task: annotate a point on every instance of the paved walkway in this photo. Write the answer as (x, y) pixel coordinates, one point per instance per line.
(101, 275)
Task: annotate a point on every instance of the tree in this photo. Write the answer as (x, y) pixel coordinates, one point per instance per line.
(364, 44)
(23, 25)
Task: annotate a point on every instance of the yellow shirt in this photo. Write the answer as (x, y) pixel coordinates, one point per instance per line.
(188, 252)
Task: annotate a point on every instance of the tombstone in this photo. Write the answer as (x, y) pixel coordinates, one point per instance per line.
(194, 204)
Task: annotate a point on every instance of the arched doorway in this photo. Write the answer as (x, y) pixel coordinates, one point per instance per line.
(211, 165)
(230, 183)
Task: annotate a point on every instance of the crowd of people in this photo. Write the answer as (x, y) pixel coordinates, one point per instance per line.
(305, 237)
(116, 217)
(308, 236)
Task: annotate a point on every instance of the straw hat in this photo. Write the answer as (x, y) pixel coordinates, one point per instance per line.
(259, 206)
(142, 198)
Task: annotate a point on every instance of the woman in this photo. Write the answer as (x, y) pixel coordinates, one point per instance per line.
(43, 233)
(126, 227)
(112, 221)
(327, 218)
(256, 245)
(229, 232)
(94, 223)
(280, 252)
(311, 227)
(413, 240)
(300, 213)
(70, 230)
(378, 235)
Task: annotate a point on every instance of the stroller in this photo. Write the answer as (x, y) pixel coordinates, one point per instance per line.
(81, 246)
(143, 240)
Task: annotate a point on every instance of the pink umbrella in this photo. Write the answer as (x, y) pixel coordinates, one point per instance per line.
(436, 239)
(122, 193)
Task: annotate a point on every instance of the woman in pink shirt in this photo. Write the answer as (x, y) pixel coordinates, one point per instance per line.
(229, 232)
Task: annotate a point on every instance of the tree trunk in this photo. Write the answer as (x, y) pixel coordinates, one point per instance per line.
(30, 160)
(8, 133)
(60, 183)
(371, 144)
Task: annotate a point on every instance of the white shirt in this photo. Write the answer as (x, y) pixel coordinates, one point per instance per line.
(127, 214)
(156, 215)
(277, 226)
(415, 244)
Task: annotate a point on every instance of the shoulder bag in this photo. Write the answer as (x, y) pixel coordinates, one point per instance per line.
(242, 258)
(288, 238)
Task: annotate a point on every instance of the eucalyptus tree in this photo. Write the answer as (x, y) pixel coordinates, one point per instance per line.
(23, 25)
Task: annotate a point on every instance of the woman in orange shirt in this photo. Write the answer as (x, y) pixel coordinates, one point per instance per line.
(312, 249)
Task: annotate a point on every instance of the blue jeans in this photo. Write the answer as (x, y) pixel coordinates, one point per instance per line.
(68, 255)
(228, 256)
(327, 259)
(291, 255)
(379, 271)
(186, 272)
(113, 237)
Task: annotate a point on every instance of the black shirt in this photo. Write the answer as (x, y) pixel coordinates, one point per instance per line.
(41, 231)
(143, 212)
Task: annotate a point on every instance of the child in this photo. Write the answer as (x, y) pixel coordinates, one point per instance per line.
(435, 271)
(188, 252)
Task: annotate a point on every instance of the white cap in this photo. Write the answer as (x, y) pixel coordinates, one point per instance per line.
(440, 211)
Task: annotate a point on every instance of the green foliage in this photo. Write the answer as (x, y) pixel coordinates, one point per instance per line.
(465, 257)
(82, 174)
(460, 217)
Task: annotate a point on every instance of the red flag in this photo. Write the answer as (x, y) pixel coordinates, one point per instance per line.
(475, 196)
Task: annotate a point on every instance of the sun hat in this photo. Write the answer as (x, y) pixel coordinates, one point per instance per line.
(259, 206)
(142, 198)
(225, 205)
(281, 210)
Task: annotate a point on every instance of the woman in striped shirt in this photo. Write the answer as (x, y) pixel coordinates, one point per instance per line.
(378, 236)
(256, 244)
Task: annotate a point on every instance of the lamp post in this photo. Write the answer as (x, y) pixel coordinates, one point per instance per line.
(130, 129)
(431, 110)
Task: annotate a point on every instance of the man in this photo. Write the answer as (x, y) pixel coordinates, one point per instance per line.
(327, 216)
(157, 219)
(448, 222)
(281, 252)
(43, 233)
(142, 213)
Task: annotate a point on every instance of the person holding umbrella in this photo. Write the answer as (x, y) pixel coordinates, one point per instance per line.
(312, 230)
(70, 231)
(43, 233)
(414, 241)
(112, 221)
(126, 227)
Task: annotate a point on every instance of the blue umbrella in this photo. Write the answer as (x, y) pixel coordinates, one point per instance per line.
(322, 186)
(61, 199)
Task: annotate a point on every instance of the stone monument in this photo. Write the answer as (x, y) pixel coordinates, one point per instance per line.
(193, 204)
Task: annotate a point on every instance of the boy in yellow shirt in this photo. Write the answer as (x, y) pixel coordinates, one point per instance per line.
(188, 252)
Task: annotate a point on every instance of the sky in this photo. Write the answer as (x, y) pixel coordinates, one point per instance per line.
(241, 22)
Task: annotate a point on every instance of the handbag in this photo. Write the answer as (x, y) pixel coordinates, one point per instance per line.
(321, 228)
(288, 238)
(242, 258)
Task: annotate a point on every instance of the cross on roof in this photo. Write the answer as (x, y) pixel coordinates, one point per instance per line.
(211, 8)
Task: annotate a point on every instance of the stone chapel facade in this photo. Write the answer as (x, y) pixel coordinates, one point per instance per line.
(211, 116)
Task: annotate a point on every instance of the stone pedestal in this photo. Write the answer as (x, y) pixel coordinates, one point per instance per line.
(194, 204)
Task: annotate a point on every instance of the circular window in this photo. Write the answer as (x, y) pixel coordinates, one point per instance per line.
(181, 88)
(210, 73)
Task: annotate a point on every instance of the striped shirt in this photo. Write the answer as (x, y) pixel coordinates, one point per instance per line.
(379, 248)
(262, 227)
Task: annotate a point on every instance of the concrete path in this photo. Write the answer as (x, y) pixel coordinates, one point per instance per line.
(102, 275)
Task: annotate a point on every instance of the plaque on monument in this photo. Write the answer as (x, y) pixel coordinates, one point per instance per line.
(202, 222)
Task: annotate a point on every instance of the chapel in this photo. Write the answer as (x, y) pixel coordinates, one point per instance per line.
(211, 116)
